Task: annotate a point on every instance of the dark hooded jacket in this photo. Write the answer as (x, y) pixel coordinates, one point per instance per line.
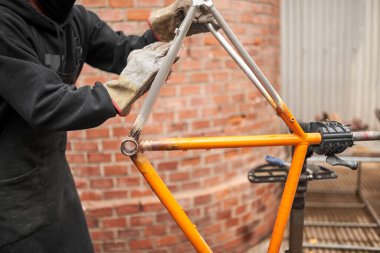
(40, 60)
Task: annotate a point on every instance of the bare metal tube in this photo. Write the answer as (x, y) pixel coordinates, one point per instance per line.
(247, 58)
(241, 64)
(366, 136)
(162, 75)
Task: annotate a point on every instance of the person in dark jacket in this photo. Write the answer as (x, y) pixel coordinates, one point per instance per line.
(43, 46)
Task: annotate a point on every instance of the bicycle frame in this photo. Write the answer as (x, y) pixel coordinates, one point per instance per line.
(299, 139)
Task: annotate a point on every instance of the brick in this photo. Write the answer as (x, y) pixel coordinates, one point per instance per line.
(213, 229)
(114, 246)
(115, 194)
(87, 171)
(230, 203)
(102, 235)
(97, 247)
(97, 133)
(138, 14)
(141, 193)
(163, 116)
(94, 3)
(178, 127)
(232, 223)
(153, 207)
(203, 124)
(151, 3)
(141, 220)
(190, 90)
(114, 223)
(111, 145)
(167, 166)
(224, 215)
(120, 3)
(191, 186)
(163, 217)
(213, 158)
(90, 196)
(98, 158)
(188, 114)
(213, 181)
(111, 15)
(166, 241)
(179, 176)
(128, 209)
(140, 244)
(191, 162)
(127, 233)
(73, 135)
(119, 132)
(199, 77)
(156, 230)
(129, 181)
(201, 172)
(92, 222)
(204, 199)
(81, 183)
(100, 212)
(240, 210)
(75, 158)
(210, 40)
(115, 170)
(85, 146)
(101, 183)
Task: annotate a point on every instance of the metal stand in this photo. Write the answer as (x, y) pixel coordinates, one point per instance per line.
(296, 225)
(363, 205)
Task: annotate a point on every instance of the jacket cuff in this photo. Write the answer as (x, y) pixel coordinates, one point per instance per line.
(108, 97)
(118, 110)
(154, 34)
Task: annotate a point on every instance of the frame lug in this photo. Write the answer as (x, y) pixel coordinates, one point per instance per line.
(129, 147)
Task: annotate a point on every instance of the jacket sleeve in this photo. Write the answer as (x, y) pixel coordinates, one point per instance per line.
(108, 50)
(38, 95)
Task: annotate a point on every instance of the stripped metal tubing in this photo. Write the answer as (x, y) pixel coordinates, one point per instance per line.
(241, 64)
(162, 75)
(281, 108)
(247, 58)
(366, 136)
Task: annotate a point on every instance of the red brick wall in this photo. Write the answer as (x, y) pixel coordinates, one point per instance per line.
(206, 95)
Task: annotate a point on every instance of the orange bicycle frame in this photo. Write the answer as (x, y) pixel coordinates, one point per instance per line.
(300, 140)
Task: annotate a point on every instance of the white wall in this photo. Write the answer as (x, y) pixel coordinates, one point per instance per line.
(331, 58)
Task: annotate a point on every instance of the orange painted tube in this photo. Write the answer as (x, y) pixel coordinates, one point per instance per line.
(167, 199)
(229, 142)
(287, 197)
(287, 116)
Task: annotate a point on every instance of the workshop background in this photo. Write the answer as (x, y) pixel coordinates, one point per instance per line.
(207, 95)
(331, 59)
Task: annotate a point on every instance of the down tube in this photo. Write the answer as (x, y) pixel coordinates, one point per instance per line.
(167, 199)
(287, 198)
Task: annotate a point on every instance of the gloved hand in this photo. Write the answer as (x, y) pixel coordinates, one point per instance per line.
(137, 76)
(164, 21)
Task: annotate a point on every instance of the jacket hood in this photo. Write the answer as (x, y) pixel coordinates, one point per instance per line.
(24, 9)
